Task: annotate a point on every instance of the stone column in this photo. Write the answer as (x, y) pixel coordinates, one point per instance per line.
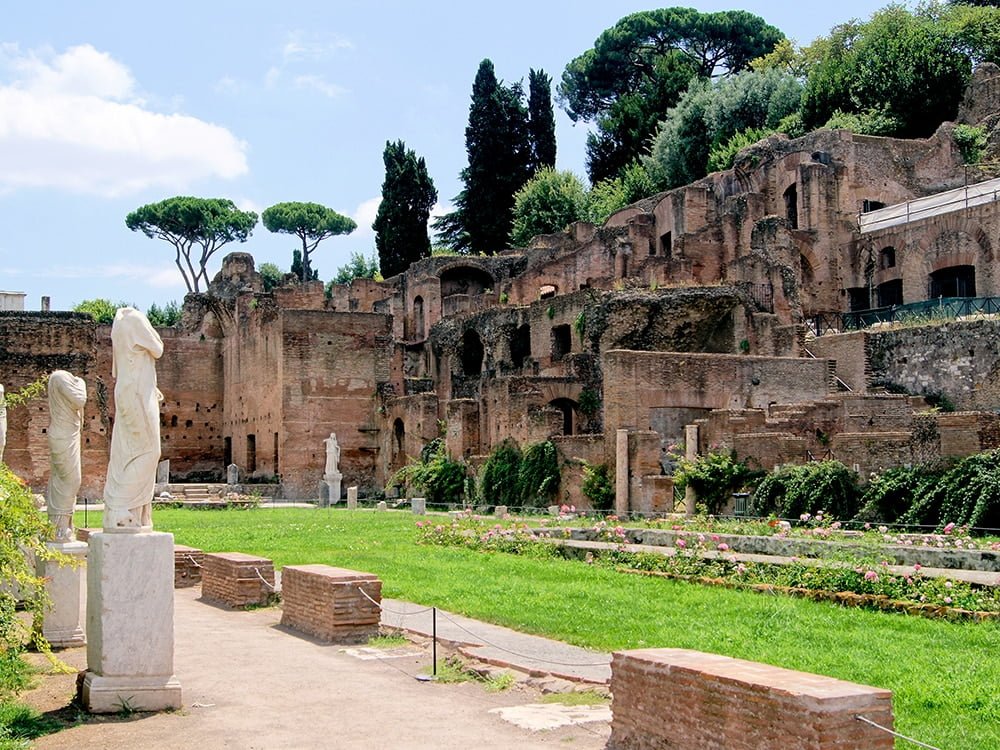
(621, 473)
(352, 498)
(691, 454)
(130, 623)
(232, 474)
(62, 624)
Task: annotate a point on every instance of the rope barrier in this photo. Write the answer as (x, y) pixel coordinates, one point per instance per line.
(896, 734)
(524, 656)
(385, 609)
(263, 580)
(195, 562)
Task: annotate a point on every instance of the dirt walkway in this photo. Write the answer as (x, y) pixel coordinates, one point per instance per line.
(248, 683)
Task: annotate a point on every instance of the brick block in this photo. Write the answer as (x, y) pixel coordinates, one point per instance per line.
(676, 698)
(188, 563)
(328, 602)
(234, 579)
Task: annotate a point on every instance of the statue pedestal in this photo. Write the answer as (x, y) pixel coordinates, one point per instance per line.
(130, 623)
(62, 625)
(333, 487)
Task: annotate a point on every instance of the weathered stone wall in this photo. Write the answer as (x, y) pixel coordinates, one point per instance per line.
(236, 579)
(956, 359)
(687, 699)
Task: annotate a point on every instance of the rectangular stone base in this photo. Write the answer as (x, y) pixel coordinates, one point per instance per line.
(130, 623)
(108, 695)
(62, 623)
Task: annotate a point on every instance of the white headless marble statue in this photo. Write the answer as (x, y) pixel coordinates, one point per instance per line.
(135, 437)
(67, 396)
(332, 456)
(3, 422)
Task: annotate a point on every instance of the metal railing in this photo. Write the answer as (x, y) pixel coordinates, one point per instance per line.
(929, 311)
(944, 202)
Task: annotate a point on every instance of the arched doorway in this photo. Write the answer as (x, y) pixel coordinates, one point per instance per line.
(472, 353)
(398, 438)
(568, 408)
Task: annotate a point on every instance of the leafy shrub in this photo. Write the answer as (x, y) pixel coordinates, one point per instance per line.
(23, 531)
(100, 309)
(971, 142)
(440, 478)
(723, 155)
(538, 476)
(820, 485)
(598, 487)
(498, 475)
(872, 122)
(548, 202)
(714, 478)
(891, 495)
(969, 494)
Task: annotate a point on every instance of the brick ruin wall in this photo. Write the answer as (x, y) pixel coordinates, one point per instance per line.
(189, 376)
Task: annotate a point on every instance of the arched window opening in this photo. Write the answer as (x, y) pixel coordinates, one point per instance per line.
(520, 346)
(418, 317)
(472, 353)
(792, 206)
(568, 408)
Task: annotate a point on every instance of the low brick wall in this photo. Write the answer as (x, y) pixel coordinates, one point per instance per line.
(188, 563)
(676, 698)
(327, 602)
(231, 578)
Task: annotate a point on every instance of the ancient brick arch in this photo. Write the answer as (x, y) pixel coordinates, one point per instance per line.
(465, 278)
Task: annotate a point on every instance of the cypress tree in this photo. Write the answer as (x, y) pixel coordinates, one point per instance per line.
(408, 195)
(499, 150)
(541, 121)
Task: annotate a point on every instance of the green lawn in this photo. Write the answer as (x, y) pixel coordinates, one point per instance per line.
(945, 676)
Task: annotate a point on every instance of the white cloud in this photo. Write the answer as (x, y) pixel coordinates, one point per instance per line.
(365, 214)
(162, 276)
(73, 121)
(300, 45)
(320, 84)
(248, 204)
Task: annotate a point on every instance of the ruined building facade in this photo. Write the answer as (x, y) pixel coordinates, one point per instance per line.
(696, 307)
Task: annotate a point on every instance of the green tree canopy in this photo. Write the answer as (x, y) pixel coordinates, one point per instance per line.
(710, 114)
(638, 68)
(499, 151)
(548, 202)
(358, 267)
(408, 195)
(541, 120)
(100, 309)
(166, 316)
(908, 66)
(310, 222)
(198, 226)
(270, 275)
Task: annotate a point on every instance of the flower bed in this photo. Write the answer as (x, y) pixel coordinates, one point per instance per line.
(867, 579)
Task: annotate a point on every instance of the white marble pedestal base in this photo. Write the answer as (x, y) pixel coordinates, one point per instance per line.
(333, 487)
(130, 623)
(62, 624)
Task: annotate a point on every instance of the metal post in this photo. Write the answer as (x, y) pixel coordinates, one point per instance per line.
(434, 641)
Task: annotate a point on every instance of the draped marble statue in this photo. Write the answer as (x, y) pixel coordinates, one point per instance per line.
(67, 396)
(3, 422)
(135, 437)
(332, 456)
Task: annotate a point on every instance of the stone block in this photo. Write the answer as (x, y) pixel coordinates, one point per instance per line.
(418, 505)
(687, 699)
(237, 580)
(130, 624)
(500, 511)
(62, 625)
(352, 498)
(382, 505)
(332, 604)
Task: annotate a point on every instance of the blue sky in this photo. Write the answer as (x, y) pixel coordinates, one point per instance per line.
(106, 106)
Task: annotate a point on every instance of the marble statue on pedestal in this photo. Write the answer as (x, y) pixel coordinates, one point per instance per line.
(135, 437)
(3, 422)
(67, 396)
(332, 475)
(332, 455)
